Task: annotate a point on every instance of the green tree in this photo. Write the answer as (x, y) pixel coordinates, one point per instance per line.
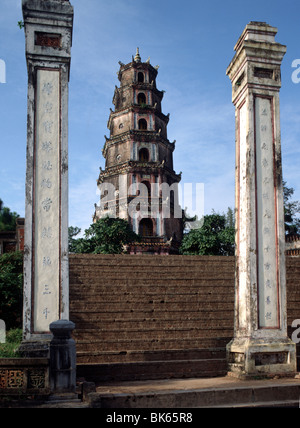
(230, 218)
(7, 218)
(291, 211)
(213, 238)
(11, 289)
(106, 236)
(73, 231)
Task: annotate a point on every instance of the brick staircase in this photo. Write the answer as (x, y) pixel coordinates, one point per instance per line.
(293, 297)
(151, 317)
(156, 317)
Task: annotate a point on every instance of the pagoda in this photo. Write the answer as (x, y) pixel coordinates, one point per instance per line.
(139, 183)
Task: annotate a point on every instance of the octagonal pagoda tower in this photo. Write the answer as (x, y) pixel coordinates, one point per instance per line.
(139, 183)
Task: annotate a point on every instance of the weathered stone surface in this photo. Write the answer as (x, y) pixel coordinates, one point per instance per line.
(62, 357)
(48, 35)
(260, 310)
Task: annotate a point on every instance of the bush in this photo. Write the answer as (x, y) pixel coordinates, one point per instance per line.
(11, 289)
(214, 238)
(9, 349)
(106, 236)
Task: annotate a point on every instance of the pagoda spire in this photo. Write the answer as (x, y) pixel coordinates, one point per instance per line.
(137, 57)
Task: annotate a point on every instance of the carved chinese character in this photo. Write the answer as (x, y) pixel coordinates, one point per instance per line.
(268, 316)
(264, 146)
(268, 283)
(47, 165)
(263, 128)
(264, 112)
(47, 232)
(15, 378)
(268, 300)
(265, 163)
(48, 107)
(46, 290)
(46, 183)
(46, 204)
(267, 214)
(267, 266)
(47, 146)
(46, 312)
(36, 378)
(48, 126)
(46, 261)
(48, 88)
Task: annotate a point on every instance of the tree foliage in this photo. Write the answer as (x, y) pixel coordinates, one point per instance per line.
(215, 237)
(106, 236)
(291, 210)
(7, 218)
(11, 289)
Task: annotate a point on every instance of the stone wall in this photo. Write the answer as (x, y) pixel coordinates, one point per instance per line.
(24, 376)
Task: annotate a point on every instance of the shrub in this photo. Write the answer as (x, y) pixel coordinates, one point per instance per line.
(9, 349)
(11, 289)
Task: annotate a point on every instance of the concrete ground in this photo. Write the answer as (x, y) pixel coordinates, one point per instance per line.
(136, 387)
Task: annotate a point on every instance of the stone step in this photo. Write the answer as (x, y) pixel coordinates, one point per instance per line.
(93, 326)
(109, 319)
(153, 334)
(136, 344)
(147, 295)
(170, 260)
(146, 292)
(152, 370)
(183, 307)
(133, 287)
(197, 393)
(153, 276)
(138, 356)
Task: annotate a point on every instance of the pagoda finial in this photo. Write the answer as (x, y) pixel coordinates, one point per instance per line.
(137, 57)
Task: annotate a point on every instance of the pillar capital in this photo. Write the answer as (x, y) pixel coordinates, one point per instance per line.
(256, 63)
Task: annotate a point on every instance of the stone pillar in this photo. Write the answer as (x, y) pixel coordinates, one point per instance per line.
(260, 345)
(48, 33)
(62, 357)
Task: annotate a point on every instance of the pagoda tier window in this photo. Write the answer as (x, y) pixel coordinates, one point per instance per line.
(144, 155)
(146, 227)
(143, 124)
(141, 98)
(141, 77)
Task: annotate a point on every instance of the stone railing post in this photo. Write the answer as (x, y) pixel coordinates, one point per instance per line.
(62, 357)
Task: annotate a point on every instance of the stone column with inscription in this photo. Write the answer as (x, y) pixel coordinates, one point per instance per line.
(48, 33)
(260, 345)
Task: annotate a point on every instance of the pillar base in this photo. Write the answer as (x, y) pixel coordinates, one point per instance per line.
(251, 358)
(35, 348)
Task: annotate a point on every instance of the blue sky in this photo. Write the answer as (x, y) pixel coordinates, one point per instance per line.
(192, 41)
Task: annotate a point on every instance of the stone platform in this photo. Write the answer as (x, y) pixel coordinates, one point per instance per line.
(221, 392)
(198, 393)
